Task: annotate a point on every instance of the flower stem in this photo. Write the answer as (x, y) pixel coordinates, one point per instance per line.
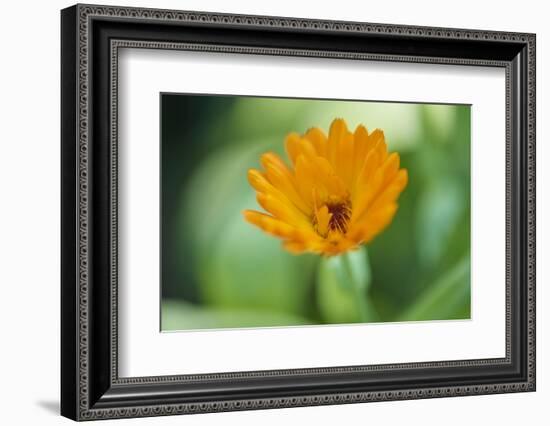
(366, 310)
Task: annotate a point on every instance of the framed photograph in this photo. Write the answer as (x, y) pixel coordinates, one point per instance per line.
(263, 212)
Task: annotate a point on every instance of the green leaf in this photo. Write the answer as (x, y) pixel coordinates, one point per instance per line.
(177, 315)
(447, 298)
(439, 210)
(247, 269)
(236, 265)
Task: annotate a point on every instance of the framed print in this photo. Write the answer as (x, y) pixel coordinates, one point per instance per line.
(263, 212)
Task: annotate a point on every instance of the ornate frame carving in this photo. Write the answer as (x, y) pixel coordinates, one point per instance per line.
(85, 396)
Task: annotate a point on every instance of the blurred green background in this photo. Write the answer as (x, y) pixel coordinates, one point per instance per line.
(218, 271)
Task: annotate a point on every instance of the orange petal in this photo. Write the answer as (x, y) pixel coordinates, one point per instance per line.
(282, 179)
(381, 148)
(344, 159)
(365, 175)
(332, 247)
(269, 224)
(337, 132)
(390, 168)
(392, 191)
(284, 211)
(295, 247)
(296, 145)
(305, 179)
(293, 236)
(387, 196)
(323, 219)
(273, 160)
(374, 138)
(258, 181)
(326, 179)
(361, 148)
(373, 223)
(319, 140)
(373, 179)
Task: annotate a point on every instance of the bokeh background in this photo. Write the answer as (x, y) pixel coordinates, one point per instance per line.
(217, 271)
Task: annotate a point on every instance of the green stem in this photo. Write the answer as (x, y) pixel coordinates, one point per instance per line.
(365, 307)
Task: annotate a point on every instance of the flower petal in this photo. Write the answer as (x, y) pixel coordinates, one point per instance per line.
(366, 173)
(361, 149)
(374, 222)
(283, 210)
(269, 224)
(343, 169)
(327, 181)
(374, 184)
(336, 134)
(260, 183)
(392, 191)
(323, 219)
(295, 247)
(319, 140)
(281, 178)
(344, 159)
(305, 178)
(296, 146)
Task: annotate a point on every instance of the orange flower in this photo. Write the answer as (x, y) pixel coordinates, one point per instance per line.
(339, 193)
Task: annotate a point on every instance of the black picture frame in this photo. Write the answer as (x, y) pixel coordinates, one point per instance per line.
(90, 38)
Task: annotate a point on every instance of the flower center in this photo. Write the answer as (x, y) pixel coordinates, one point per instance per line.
(341, 213)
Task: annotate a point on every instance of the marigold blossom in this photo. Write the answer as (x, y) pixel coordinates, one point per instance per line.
(339, 192)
